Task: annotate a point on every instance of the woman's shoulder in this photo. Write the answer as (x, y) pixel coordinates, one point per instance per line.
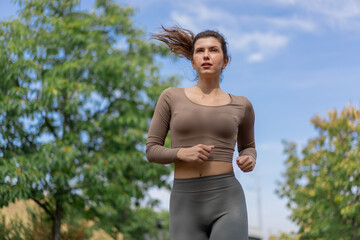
(171, 91)
(242, 100)
(245, 104)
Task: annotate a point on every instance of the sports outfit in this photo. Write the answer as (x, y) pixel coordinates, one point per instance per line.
(210, 207)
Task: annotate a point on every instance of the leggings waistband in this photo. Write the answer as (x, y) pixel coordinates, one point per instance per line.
(206, 183)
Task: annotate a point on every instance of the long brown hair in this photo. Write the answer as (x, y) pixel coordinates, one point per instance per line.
(181, 41)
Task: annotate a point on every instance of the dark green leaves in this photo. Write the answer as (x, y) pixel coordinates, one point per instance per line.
(77, 92)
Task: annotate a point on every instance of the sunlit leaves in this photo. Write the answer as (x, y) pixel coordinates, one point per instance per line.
(322, 184)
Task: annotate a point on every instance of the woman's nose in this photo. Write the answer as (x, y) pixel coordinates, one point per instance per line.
(206, 55)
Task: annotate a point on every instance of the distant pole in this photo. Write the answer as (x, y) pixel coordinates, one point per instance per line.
(259, 204)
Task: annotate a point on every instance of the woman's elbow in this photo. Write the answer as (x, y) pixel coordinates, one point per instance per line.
(148, 155)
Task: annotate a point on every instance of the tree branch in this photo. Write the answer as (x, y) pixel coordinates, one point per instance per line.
(43, 206)
(47, 122)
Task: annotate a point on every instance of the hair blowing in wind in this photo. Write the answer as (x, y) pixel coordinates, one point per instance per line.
(179, 40)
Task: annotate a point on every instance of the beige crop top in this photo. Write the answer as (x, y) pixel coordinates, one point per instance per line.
(191, 124)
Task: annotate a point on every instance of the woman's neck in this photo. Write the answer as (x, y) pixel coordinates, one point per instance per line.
(209, 85)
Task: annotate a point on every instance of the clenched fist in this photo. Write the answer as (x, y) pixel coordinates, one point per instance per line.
(246, 163)
(197, 153)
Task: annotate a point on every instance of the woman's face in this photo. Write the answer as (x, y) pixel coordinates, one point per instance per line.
(208, 57)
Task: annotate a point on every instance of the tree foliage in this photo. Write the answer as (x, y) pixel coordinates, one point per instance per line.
(322, 184)
(77, 91)
(283, 236)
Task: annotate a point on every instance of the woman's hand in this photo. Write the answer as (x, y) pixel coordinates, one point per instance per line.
(197, 153)
(246, 163)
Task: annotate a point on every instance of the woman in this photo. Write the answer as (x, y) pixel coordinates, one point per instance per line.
(206, 202)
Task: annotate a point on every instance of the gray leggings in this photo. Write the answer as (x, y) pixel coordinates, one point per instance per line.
(208, 208)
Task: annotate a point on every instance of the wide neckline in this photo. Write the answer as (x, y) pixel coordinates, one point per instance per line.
(207, 105)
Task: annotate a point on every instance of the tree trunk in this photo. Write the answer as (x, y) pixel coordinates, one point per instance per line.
(354, 229)
(56, 235)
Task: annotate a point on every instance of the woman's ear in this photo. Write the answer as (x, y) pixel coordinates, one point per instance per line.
(192, 63)
(226, 61)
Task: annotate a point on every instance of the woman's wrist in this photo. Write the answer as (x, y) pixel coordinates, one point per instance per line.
(253, 159)
(178, 158)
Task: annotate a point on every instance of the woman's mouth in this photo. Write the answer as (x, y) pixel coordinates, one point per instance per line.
(206, 64)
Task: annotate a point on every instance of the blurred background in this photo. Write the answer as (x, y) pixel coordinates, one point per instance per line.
(292, 59)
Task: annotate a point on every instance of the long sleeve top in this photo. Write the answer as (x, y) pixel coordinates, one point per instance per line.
(191, 123)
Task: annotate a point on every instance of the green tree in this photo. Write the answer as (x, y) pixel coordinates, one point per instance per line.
(322, 183)
(78, 89)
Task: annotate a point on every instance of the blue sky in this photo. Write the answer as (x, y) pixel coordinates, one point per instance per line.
(292, 59)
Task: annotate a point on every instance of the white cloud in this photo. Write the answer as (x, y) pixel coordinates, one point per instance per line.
(344, 14)
(286, 1)
(205, 13)
(272, 34)
(258, 45)
(261, 40)
(290, 22)
(255, 57)
(333, 8)
(141, 4)
(304, 25)
(193, 16)
(185, 21)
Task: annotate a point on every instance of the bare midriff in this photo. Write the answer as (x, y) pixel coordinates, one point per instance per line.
(206, 168)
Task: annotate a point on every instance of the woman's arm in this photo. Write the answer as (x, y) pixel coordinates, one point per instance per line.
(159, 127)
(246, 140)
